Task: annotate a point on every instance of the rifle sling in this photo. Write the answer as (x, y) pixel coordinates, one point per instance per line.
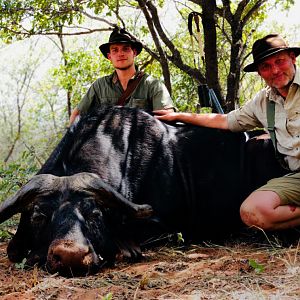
(132, 84)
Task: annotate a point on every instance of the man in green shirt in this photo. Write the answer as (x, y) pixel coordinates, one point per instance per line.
(149, 94)
(276, 205)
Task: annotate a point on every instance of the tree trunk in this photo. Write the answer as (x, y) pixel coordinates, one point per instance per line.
(150, 13)
(210, 50)
(69, 91)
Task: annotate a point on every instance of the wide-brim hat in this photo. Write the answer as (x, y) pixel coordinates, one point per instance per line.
(267, 46)
(120, 35)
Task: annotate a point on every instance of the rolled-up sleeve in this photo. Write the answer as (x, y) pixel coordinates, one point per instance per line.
(160, 96)
(249, 116)
(86, 102)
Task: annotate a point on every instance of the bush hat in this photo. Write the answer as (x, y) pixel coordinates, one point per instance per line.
(120, 35)
(267, 46)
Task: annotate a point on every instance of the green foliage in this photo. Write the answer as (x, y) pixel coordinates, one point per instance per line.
(16, 174)
(4, 234)
(80, 70)
(109, 296)
(8, 227)
(180, 239)
(27, 17)
(258, 268)
(12, 177)
(98, 5)
(284, 5)
(184, 88)
(21, 265)
(184, 92)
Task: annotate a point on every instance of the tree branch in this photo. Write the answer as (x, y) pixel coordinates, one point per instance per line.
(175, 56)
(152, 21)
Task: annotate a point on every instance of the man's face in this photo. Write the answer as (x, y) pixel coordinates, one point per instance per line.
(121, 56)
(278, 70)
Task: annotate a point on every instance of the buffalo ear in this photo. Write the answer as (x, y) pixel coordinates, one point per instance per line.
(19, 245)
(39, 185)
(109, 197)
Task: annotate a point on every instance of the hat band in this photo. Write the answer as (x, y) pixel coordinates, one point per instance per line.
(269, 52)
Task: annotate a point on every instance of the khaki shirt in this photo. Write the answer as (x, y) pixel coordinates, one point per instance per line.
(287, 119)
(150, 94)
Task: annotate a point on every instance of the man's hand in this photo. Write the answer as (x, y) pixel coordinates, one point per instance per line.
(166, 115)
(73, 116)
(264, 136)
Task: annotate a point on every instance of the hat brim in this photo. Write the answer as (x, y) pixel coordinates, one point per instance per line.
(253, 66)
(104, 48)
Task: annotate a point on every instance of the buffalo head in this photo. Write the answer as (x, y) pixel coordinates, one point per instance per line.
(66, 223)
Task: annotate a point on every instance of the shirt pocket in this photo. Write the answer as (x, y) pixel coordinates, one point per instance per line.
(138, 103)
(108, 101)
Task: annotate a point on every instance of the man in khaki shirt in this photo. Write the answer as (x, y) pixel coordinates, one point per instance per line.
(275, 205)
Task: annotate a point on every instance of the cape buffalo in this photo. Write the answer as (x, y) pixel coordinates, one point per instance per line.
(118, 176)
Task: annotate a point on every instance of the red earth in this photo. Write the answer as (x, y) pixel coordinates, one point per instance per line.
(238, 271)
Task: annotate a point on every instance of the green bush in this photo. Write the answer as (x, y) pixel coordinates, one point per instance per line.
(16, 174)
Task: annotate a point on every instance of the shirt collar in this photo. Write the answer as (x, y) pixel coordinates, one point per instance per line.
(115, 77)
(297, 76)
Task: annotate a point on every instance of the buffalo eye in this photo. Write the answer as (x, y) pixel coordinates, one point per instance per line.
(89, 210)
(96, 214)
(38, 217)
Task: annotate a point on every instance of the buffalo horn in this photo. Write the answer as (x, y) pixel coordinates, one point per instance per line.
(39, 185)
(109, 197)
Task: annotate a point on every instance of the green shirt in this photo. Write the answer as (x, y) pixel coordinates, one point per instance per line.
(287, 119)
(150, 94)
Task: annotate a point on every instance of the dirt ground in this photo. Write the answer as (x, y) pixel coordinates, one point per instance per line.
(209, 271)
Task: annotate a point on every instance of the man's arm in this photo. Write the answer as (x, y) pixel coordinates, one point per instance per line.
(86, 102)
(206, 120)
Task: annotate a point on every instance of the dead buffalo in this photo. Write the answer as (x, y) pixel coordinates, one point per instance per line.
(119, 176)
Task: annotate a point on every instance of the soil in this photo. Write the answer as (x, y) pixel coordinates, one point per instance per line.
(237, 271)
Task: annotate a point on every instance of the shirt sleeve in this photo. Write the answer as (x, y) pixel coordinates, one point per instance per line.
(247, 117)
(160, 96)
(87, 100)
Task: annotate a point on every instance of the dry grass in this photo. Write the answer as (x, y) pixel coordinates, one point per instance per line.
(236, 271)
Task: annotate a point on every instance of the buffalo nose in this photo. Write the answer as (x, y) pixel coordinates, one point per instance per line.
(66, 254)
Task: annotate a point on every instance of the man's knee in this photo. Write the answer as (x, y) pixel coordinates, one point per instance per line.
(258, 209)
(249, 214)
